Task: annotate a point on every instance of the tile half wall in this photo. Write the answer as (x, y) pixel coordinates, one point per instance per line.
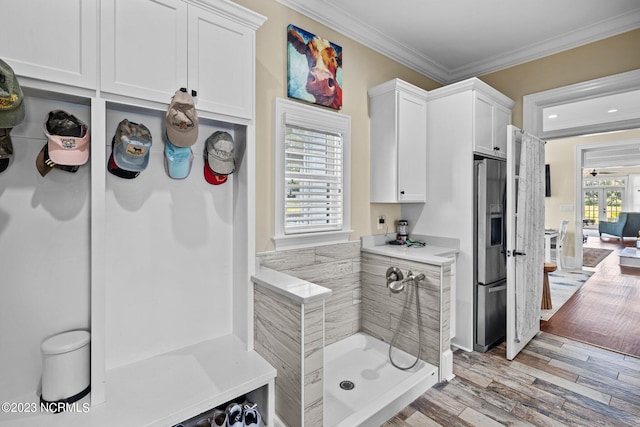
(336, 267)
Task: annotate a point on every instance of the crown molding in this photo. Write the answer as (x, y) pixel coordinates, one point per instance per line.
(370, 37)
(592, 33)
(360, 32)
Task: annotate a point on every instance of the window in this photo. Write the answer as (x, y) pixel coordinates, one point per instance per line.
(312, 184)
(602, 199)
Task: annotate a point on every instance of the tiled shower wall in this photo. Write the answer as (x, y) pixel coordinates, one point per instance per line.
(288, 334)
(382, 309)
(336, 267)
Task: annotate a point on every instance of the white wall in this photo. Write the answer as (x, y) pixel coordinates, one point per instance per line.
(169, 251)
(44, 252)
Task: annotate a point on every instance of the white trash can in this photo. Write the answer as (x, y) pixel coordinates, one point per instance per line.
(66, 374)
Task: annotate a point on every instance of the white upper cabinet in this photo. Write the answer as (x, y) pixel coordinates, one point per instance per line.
(478, 109)
(221, 63)
(53, 41)
(208, 51)
(144, 48)
(398, 142)
(490, 126)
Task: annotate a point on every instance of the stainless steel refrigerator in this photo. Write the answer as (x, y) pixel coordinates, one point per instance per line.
(490, 288)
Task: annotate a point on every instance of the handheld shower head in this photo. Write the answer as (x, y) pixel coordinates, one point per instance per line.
(397, 286)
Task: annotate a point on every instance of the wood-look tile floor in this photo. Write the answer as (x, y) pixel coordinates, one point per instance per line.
(605, 311)
(554, 381)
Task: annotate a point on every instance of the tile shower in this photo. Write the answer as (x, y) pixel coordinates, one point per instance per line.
(292, 335)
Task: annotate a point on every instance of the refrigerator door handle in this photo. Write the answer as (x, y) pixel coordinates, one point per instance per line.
(497, 289)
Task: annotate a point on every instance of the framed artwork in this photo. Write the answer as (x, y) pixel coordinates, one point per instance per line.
(314, 69)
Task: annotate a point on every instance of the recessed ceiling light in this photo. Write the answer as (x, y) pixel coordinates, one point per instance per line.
(552, 116)
(613, 110)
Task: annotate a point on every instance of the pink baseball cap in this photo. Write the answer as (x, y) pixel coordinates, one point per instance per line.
(68, 138)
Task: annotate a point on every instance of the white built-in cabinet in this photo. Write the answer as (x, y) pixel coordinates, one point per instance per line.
(180, 45)
(163, 266)
(52, 41)
(398, 123)
(490, 119)
(465, 120)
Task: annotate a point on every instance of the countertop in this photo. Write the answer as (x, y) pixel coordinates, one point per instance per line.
(437, 251)
(289, 286)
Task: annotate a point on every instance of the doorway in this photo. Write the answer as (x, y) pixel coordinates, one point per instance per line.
(600, 199)
(537, 108)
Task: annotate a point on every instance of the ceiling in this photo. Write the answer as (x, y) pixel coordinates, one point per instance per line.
(451, 40)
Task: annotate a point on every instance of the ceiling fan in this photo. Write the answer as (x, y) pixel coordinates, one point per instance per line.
(596, 173)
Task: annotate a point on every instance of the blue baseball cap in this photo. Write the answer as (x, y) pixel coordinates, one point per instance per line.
(177, 160)
(132, 143)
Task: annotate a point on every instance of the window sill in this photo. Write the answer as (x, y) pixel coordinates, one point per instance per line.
(298, 241)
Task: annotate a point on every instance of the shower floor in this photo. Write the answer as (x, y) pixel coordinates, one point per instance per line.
(380, 389)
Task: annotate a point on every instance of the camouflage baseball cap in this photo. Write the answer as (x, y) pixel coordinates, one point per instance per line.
(11, 98)
(6, 149)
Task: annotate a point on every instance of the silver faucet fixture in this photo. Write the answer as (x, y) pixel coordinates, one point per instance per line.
(398, 285)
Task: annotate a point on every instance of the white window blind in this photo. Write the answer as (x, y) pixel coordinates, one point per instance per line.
(313, 180)
(312, 183)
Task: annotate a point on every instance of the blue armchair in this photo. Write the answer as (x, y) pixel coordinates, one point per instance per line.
(627, 225)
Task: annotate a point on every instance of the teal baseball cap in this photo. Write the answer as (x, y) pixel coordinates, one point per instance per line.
(11, 98)
(177, 160)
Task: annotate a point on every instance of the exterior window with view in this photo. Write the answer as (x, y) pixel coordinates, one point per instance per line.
(313, 181)
(603, 200)
(312, 184)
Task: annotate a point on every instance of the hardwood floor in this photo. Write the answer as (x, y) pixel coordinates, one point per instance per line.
(554, 381)
(605, 311)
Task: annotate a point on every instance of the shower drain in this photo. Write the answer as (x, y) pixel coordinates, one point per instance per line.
(347, 385)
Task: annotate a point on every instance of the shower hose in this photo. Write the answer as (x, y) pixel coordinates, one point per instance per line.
(397, 332)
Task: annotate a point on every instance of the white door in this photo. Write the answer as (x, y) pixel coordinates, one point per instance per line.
(525, 237)
(602, 203)
(412, 151)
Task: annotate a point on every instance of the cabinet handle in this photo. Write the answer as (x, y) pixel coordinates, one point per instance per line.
(496, 148)
(194, 93)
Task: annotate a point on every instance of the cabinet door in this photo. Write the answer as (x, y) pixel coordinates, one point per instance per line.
(412, 148)
(144, 48)
(483, 118)
(502, 120)
(221, 65)
(54, 41)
